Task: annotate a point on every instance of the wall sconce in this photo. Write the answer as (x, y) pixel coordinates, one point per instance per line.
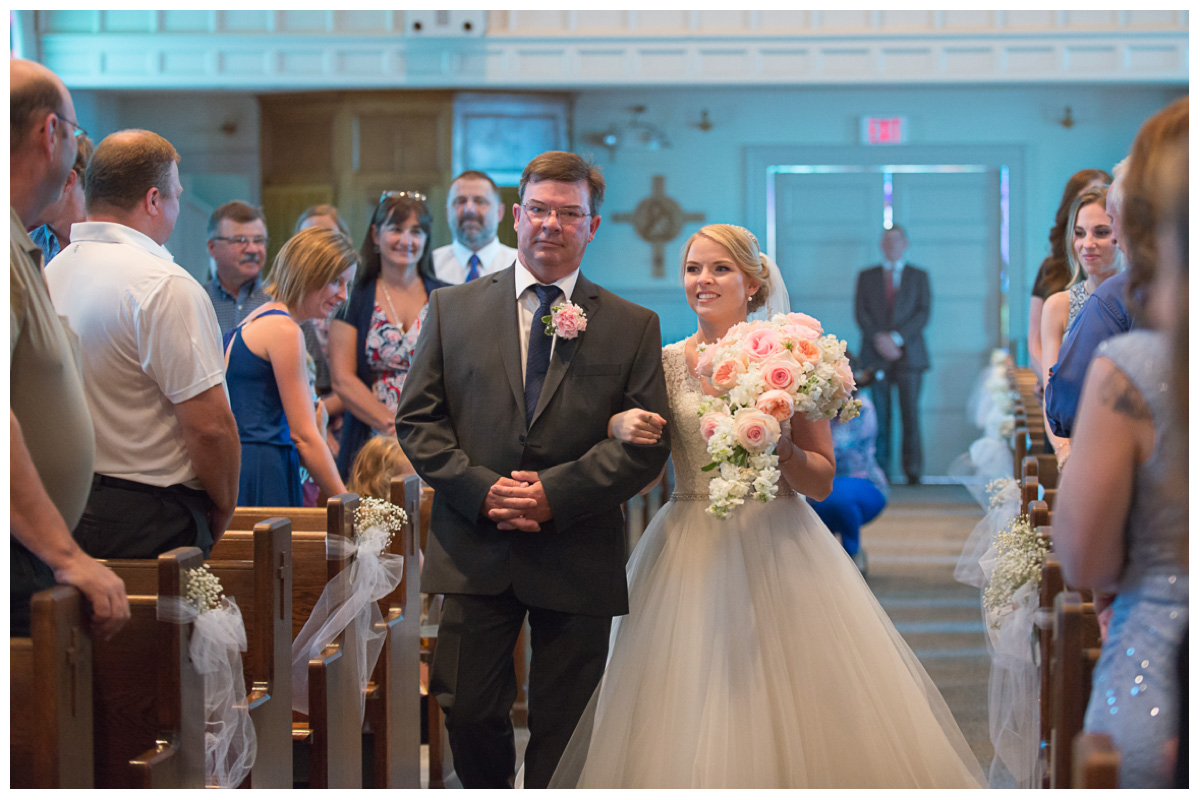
(1068, 121)
(637, 133)
(705, 124)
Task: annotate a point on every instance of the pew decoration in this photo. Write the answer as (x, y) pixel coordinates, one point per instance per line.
(990, 407)
(218, 639)
(352, 598)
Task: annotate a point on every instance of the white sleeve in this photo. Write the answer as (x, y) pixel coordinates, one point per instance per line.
(179, 340)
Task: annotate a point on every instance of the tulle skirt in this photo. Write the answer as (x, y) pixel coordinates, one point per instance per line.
(755, 656)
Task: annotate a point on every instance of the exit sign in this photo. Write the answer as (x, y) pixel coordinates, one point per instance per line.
(884, 130)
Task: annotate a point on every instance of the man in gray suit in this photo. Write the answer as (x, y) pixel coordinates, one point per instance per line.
(891, 306)
(509, 426)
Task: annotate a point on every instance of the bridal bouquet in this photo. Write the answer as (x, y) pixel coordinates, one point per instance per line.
(768, 370)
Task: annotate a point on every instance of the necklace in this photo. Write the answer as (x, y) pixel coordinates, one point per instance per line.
(387, 297)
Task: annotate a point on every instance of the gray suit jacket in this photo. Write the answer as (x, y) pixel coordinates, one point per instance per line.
(461, 421)
(908, 318)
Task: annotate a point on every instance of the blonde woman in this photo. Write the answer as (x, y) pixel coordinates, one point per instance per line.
(268, 381)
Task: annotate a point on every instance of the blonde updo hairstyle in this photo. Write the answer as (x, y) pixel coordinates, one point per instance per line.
(310, 260)
(743, 249)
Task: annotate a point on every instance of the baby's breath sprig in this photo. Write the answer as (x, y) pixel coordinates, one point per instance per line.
(372, 512)
(1020, 553)
(997, 490)
(203, 589)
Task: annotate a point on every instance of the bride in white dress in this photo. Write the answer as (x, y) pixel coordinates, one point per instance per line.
(754, 654)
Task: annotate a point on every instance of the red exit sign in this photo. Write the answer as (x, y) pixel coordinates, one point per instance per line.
(884, 130)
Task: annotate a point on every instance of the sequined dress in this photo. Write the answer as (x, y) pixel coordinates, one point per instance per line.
(755, 656)
(1135, 687)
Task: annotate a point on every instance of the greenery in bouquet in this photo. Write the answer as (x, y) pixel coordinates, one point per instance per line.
(1019, 555)
(767, 370)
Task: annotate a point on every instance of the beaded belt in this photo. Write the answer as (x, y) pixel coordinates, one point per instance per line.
(780, 492)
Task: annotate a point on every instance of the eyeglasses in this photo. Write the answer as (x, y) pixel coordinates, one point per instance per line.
(566, 216)
(242, 241)
(79, 131)
(410, 195)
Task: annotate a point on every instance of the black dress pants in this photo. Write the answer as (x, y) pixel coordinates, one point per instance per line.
(475, 684)
(907, 384)
(125, 519)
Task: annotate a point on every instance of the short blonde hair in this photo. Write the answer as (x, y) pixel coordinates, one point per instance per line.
(379, 460)
(743, 248)
(308, 261)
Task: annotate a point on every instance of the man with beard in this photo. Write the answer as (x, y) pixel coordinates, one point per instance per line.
(474, 211)
(237, 245)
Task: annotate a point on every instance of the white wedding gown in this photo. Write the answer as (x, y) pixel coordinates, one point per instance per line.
(755, 656)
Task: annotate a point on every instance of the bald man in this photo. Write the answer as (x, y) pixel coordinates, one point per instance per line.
(167, 450)
(50, 431)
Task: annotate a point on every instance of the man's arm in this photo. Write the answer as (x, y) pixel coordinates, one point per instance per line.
(425, 431)
(210, 436)
(1100, 318)
(612, 471)
(36, 523)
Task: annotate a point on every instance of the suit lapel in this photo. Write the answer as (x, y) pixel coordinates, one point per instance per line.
(586, 296)
(502, 305)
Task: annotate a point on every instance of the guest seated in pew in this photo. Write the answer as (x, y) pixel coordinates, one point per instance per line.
(1121, 516)
(269, 389)
(860, 489)
(51, 439)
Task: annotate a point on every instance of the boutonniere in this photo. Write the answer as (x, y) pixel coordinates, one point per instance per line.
(565, 321)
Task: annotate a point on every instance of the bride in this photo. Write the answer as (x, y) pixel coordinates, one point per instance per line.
(754, 655)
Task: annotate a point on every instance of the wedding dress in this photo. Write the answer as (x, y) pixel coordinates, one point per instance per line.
(755, 656)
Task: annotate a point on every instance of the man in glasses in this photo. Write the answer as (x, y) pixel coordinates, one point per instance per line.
(474, 211)
(167, 449)
(508, 423)
(237, 249)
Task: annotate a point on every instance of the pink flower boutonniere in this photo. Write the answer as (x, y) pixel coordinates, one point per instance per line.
(565, 321)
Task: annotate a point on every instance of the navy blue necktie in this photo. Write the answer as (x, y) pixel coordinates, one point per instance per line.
(538, 359)
(473, 271)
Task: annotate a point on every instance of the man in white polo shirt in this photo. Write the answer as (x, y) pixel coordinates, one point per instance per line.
(474, 211)
(167, 450)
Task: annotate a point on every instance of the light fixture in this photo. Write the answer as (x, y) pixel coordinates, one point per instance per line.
(636, 133)
(705, 124)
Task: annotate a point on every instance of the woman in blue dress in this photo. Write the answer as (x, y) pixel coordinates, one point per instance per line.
(269, 388)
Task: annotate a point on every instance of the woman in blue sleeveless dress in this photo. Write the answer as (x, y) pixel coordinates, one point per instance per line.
(269, 389)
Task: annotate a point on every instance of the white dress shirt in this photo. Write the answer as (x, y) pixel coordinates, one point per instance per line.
(527, 305)
(450, 262)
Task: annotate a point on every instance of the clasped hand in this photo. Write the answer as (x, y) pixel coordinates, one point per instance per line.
(518, 503)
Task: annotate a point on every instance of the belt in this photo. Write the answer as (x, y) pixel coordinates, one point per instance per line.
(145, 488)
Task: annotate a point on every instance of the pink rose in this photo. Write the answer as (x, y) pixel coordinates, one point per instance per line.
(777, 404)
(762, 344)
(725, 375)
(710, 422)
(568, 321)
(704, 359)
(782, 374)
(801, 332)
(846, 376)
(796, 318)
(755, 430)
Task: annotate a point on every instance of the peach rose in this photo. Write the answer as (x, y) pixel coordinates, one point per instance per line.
(762, 344)
(776, 403)
(725, 375)
(846, 376)
(782, 374)
(710, 422)
(806, 351)
(755, 430)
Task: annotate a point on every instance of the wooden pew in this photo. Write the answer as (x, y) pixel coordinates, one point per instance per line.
(148, 700)
(1076, 649)
(50, 696)
(331, 733)
(262, 587)
(1095, 763)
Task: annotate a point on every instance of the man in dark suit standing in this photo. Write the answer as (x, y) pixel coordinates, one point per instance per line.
(891, 306)
(509, 424)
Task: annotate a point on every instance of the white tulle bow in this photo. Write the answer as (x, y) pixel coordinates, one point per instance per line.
(350, 599)
(217, 643)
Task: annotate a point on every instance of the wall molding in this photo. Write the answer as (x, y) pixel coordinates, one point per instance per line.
(298, 51)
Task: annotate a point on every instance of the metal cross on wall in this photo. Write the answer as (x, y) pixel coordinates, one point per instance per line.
(658, 219)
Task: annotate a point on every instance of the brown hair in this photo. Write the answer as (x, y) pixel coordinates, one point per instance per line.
(1143, 204)
(310, 260)
(31, 97)
(323, 210)
(564, 167)
(477, 175)
(743, 249)
(396, 208)
(379, 460)
(125, 166)
(1096, 196)
(1054, 274)
(235, 211)
(83, 155)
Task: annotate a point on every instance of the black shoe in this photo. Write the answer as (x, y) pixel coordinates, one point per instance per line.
(914, 480)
